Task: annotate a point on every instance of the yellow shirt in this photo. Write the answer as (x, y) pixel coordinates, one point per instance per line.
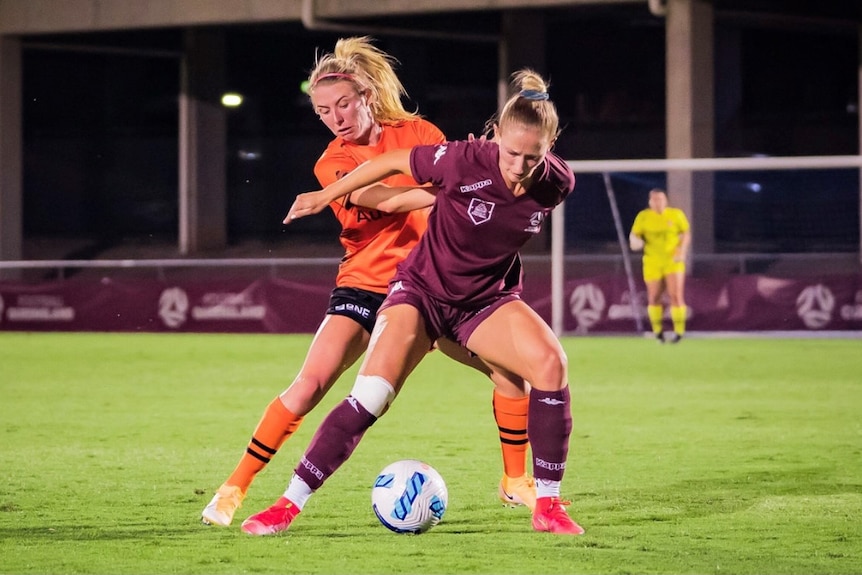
(662, 232)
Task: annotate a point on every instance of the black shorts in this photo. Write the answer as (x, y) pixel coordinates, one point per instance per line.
(359, 305)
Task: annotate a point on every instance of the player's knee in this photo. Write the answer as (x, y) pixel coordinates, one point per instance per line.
(551, 369)
(373, 393)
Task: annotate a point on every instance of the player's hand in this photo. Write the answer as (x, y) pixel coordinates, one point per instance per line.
(306, 204)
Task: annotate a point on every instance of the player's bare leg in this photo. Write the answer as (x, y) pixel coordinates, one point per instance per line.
(511, 405)
(515, 338)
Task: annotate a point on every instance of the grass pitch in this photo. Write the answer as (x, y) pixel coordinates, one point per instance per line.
(712, 456)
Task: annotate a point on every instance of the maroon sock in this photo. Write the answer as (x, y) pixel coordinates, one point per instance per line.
(334, 442)
(549, 426)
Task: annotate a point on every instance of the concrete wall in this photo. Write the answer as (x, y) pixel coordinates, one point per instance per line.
(54, 16)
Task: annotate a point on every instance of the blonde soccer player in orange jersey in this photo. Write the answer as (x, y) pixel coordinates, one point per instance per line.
(355, 92)
(664, 234)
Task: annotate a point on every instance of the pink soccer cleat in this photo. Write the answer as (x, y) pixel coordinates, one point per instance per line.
(551, 516)
(272, 520)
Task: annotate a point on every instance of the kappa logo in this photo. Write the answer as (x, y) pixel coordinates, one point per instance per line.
(552, 401)
(814, 306)
(396, 286)
(439, 153)
(480, 211)
(311, 467)
(353, 403)
(474, 187)
(549, 465)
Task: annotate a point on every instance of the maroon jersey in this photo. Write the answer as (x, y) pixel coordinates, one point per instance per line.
(469, 254)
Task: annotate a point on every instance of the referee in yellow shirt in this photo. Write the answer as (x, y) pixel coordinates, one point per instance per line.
(663, 233)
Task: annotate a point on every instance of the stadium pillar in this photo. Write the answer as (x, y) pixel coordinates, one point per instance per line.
(202, 144)
(11, 227)
(522, 45)
(690, 109)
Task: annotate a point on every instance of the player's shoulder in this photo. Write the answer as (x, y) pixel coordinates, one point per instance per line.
(677, 213)
(334, 149)
(416, 131)
(474, 150)
(333, 163)
(644, 214)
(560, 169)
(456, 151)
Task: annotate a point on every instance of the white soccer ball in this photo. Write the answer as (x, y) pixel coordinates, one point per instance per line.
(409, 496)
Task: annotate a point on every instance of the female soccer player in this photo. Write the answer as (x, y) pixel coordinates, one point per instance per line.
(493, 196)
(357, 95)
(663, 234)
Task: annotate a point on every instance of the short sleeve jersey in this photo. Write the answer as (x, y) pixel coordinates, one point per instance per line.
(477, 225)
(660, 231)
(374, 242)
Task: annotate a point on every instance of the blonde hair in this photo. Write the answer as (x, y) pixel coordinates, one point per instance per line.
(528, 106)
(371, 70)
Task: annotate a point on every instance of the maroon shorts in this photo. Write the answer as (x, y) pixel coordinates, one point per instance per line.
(442, 319)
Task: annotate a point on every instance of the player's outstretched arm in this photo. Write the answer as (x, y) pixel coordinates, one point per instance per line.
(394, 199)
(367, 173)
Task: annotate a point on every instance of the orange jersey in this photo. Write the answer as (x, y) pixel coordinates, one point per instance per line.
(374, 241)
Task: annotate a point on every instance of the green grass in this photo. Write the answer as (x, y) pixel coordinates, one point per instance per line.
(712, 456)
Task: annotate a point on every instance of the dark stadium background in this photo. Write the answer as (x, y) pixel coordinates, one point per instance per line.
(100, 122)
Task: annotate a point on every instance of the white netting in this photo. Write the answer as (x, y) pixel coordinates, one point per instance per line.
(745, 209)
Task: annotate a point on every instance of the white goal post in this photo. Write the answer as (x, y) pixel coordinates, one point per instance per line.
(607, 167)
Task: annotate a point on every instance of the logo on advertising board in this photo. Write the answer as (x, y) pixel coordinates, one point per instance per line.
(849, 312)
(39, 307)
(175, 308)
(814, 306)
(625, 308)
(587, 303)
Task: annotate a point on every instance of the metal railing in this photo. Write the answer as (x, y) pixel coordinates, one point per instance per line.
(737, 263)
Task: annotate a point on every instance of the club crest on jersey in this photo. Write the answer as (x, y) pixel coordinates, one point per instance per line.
(535, 223)
(480, 211)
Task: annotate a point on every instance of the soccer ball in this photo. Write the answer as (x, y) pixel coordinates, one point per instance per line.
(409, 496)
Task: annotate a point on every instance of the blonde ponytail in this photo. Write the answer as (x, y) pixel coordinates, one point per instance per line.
(372, 70)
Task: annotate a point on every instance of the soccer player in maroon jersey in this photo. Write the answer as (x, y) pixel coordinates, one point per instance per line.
(461, 282)
(357, 95)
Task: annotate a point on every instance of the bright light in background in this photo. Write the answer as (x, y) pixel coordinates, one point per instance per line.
(248, 155)
(753, 187)
(304, 86)
(231, 100)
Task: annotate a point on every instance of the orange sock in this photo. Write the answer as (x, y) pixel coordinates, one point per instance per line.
(511, 416)
(277, 424)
